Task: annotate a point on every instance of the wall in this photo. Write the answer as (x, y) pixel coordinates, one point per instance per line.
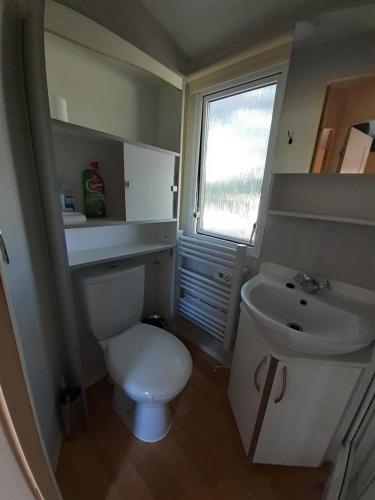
(169, 118)
(102, 93)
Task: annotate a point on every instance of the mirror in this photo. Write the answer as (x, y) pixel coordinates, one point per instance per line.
(345, 142)
(328, 118)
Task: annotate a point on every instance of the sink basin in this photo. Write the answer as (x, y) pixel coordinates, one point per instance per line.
(335, 321)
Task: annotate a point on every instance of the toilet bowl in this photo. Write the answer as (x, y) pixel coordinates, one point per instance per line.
(148, 365)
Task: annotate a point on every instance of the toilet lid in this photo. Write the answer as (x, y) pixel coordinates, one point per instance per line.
(148, 362)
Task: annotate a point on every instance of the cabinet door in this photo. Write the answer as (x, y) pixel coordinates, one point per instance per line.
(305, 405)
(249, 370)
(356, 152)
(149, 177)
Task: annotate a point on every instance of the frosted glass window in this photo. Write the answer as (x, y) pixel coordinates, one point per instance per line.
(236, 131)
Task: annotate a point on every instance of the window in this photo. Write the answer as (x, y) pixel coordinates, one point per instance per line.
(236, 128)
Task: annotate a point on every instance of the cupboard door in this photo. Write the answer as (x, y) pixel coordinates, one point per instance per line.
(149, 177)
(249, 370)
(305, 405)
(356, 152)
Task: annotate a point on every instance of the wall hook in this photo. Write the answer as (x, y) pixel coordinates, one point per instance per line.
(290, 141)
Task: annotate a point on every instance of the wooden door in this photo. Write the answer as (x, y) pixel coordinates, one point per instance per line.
(356, 152)
(17, 422)
(322, 148)
(249, 370)
(305, 406)
(149, 180)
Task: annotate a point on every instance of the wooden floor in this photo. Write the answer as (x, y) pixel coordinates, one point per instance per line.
(201, 458)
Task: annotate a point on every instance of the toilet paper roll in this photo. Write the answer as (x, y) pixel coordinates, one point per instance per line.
(60, 111)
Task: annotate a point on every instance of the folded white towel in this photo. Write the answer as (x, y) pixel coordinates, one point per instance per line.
(73, 218)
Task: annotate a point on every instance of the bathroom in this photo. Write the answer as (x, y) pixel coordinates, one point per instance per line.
(171, 340)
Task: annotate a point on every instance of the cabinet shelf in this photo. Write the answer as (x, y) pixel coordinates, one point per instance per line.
(323, 217)
(114, 222)
(90, 256)
(72, 128)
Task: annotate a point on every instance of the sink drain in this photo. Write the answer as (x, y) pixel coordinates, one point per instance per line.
(295, 326)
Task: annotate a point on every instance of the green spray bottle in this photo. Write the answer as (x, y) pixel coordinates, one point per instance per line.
(93, 191)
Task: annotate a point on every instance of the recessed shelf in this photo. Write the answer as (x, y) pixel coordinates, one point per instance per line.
(91, 256)
(114, 222)
(330, 218)
(67, 127)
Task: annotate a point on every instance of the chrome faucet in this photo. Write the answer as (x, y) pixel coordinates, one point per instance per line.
(310, 284)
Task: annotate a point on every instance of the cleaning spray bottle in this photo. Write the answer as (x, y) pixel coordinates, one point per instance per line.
(93, 191)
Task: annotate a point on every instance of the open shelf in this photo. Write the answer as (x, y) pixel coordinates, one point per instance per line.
(324, 217)
(113, 222)
(72, 128)
(90, 256)
(94, 244)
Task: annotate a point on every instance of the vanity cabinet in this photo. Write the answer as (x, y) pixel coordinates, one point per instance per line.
(287, 407)
(250, 365)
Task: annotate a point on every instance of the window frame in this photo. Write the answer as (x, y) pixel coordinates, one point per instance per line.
(277, 75)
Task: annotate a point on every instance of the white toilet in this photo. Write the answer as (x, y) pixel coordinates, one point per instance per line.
(149, 366)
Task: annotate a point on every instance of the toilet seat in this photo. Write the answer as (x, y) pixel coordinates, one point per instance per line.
(148, 363)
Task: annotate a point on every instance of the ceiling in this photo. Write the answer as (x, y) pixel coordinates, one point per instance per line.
(345, 23)
(205, 28)
(190, 34)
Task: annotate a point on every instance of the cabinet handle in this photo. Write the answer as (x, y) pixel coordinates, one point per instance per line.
(282, 393)
(256, 373)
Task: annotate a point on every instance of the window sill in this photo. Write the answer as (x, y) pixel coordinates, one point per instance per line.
(251, 251)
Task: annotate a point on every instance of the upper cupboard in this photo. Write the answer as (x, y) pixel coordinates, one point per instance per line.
(328, 118)
(108, 85)
(112, 104)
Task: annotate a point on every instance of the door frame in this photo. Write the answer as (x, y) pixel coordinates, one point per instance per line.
(339, 479)
(17, 416)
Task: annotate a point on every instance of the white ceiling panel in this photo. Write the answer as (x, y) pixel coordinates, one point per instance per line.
(202, 26)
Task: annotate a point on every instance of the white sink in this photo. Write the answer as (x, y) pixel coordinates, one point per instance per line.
(335, 321)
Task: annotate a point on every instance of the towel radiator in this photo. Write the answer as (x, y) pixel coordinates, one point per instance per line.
(209, 286)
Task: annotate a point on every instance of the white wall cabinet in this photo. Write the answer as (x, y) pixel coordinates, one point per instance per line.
(292, 417)
(141, 181)
(149, 183)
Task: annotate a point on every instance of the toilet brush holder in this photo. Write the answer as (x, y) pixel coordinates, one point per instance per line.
(72, 411)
